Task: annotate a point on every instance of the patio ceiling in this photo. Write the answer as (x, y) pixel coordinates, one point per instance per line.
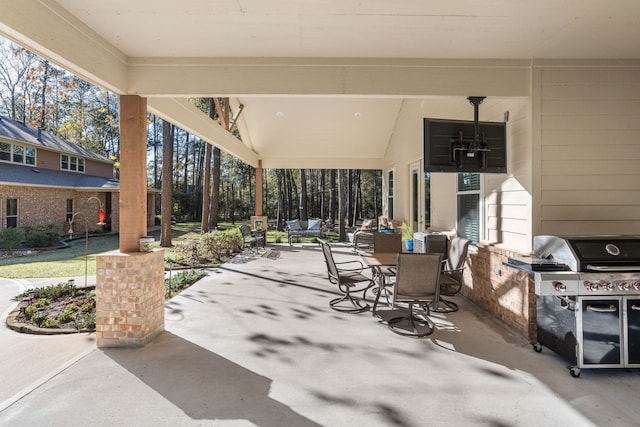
(321, 82)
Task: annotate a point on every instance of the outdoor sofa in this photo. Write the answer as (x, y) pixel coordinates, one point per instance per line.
(310, 228)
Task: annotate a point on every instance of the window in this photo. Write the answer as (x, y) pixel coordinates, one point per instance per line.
(30, 156)
(12, 213)
(469, 206)
(5, 151)
(17, 153)
(390, 194)
(69, 210)
(71, 163)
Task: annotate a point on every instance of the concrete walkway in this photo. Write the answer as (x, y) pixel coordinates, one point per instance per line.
(256, 344)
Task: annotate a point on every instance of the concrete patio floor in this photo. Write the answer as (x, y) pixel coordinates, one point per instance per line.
(256, 344)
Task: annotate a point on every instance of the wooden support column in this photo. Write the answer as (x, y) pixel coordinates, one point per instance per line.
(130, 283)
(259, 188)
(133, 172)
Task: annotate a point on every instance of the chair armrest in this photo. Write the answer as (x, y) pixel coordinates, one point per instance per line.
(350, 262)
(455, 270)
(361, 267)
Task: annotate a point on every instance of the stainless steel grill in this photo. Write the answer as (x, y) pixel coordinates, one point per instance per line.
(588, 299)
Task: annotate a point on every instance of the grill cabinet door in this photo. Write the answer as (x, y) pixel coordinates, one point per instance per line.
(601, 322)
(632, 331)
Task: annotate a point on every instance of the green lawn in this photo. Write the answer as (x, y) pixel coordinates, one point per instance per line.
(78, 256)
(81, 253)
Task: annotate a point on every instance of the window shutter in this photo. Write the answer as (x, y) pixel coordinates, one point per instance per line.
(469, 216)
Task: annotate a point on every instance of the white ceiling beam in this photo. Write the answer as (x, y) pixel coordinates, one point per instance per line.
(47, 29)
(326, 76)
(186, 116)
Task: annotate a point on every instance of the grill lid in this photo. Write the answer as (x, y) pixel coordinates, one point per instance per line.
(591, 253)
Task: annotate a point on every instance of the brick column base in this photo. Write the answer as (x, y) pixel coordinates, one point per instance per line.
(129, 298)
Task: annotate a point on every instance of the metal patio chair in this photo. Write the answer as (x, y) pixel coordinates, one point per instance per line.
(417, 283)
(350, 281)
(452, 277)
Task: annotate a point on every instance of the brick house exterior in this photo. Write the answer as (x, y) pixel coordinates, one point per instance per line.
(47, 180)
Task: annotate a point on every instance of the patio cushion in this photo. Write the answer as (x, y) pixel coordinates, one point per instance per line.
(314, 224)
(294, 225)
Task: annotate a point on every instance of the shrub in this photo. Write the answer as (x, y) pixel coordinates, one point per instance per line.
(185, 251)
(89, 321)
(66, 316)
(182, 280)
(10, 238)
(30, 310)
(42, 302)
(52, 292)
(42, 236)
(39, 318)
(48, 322)
(212, 247)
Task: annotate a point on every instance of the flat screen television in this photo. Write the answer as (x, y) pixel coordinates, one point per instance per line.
(452, 146)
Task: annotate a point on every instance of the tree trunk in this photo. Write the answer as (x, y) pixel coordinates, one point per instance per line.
(167, 184)
(323, 182)
(356, 196)
(45, 78)
(342, 206)
(350, 196)
(206, 188)
(303, 196)
(185, 183)
(215, 189)
(281, 199)
(333, 197)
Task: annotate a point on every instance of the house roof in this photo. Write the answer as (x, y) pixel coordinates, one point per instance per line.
(30, 176)
(313, 76)
(23, 133)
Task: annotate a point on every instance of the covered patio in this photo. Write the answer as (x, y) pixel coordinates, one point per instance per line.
(347, 85)
(256, 344)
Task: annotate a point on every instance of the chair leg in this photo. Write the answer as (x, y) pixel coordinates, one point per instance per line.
(445, 306)
(414, 323)
(356, 305)
(378, 291)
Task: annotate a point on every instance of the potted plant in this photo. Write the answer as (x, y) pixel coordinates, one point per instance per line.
(407, 236)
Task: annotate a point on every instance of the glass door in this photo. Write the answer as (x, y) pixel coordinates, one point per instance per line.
(416, 196)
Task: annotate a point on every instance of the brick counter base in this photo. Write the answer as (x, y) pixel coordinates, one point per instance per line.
(506, 293)
(129, 298)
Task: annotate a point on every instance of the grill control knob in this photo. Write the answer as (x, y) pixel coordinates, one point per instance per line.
(559, 286)
(591, 286)
(607, 286)
(636, 286)
(624, 286)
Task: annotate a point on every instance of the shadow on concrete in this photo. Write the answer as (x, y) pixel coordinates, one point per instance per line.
(204, 385)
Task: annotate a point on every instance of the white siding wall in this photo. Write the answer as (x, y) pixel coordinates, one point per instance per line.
(508, 198)
(588, 151)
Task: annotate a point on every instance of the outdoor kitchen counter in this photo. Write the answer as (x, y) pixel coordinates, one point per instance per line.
(533, 265)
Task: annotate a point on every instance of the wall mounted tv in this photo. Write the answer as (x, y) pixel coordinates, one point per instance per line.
(460, 146)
